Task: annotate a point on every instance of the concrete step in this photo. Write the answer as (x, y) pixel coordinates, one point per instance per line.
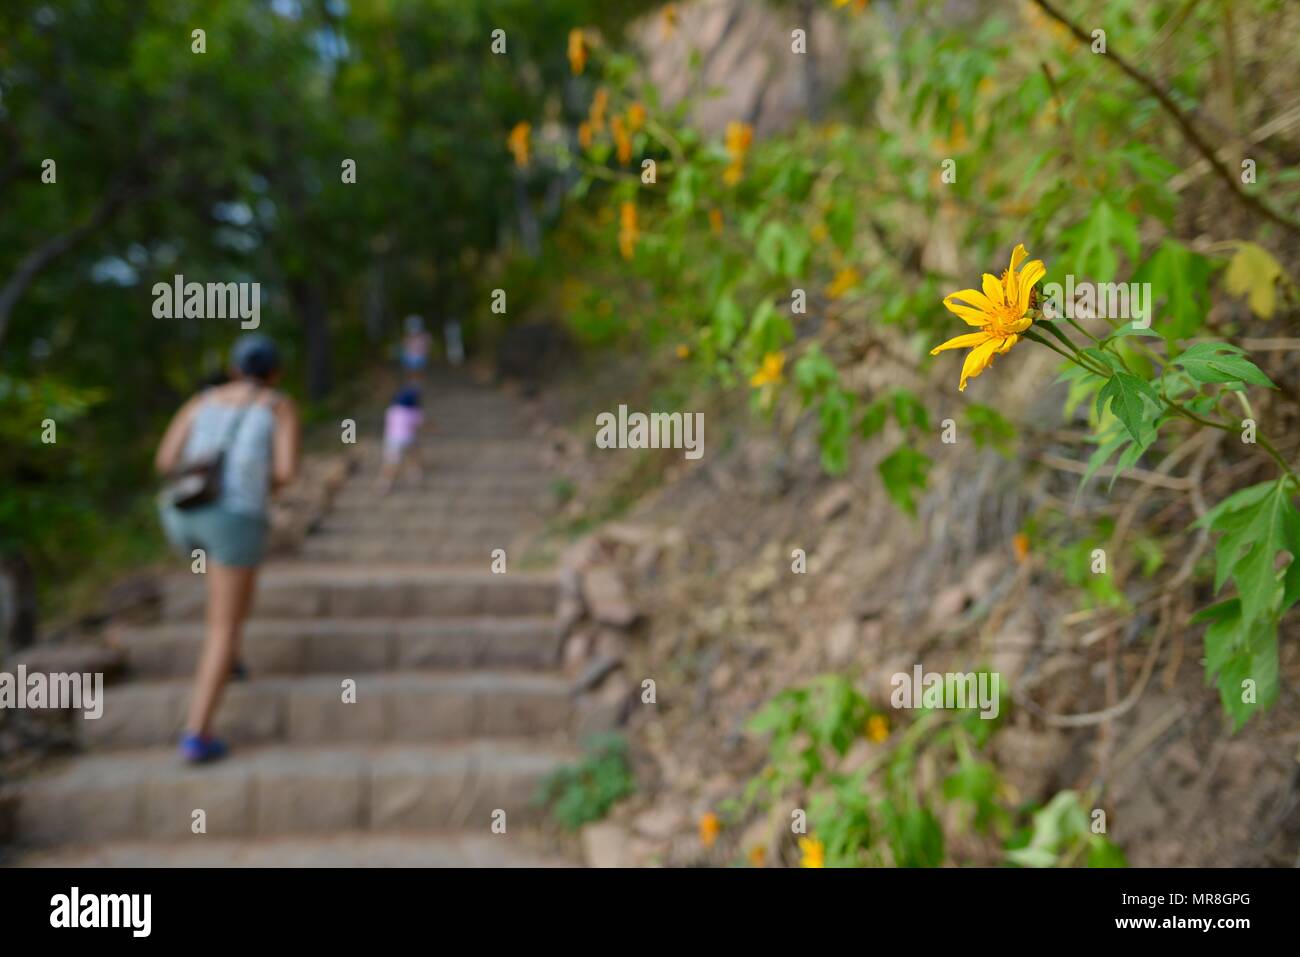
(423, 525)
(354, 645)
(427, 549)
(349, 849)
(389, 707)
(282, 790)
(409, 498)
(376, 590)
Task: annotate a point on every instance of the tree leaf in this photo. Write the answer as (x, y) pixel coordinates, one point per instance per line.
(1253, 272)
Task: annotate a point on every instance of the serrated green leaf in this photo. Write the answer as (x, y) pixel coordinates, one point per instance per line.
(1133, 402)
(1221, 362)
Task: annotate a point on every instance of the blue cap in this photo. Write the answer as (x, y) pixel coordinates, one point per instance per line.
(255, 356)
(409, 397)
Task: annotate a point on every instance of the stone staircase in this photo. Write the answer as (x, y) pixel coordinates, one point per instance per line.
(459, 708)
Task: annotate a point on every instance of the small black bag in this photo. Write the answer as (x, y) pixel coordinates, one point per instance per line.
(199, 482)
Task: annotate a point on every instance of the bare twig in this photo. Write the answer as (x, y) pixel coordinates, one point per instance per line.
(1183, 121)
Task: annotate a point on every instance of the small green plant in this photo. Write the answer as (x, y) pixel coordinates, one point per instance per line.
(1059, 836)
(584, 792)
(903, 802)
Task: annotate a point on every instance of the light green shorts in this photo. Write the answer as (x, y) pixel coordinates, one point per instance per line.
(229, 538)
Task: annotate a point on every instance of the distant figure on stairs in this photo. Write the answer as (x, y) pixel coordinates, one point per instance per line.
(402, 422)
(225, 452)
(415, 348)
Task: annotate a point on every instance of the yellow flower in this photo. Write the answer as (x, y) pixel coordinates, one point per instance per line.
(812, 852)
(757, 855)
(627, 230)
(844, 280)
(1020, 542)
(715, 221)
(858, 5)
(999, 312)
(956, 141)
(597, 116)
(584, 135)
(710, 827)
(770, 371)
(517, 142)
(635, 117)
(877, 728)
(577, 51)
(621, 140)
(737, 140)
(683, 351)
(669, 13)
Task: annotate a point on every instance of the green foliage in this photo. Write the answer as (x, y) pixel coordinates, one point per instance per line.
(584, 792)
(1060, 835)
(877, 809)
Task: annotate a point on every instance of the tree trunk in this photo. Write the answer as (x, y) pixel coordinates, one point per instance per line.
(309, 303)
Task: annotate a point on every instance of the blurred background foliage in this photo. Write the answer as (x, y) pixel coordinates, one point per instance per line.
(226, 166)
(655, 221)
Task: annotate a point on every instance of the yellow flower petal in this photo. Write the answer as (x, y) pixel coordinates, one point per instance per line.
(972, 297)
(994, 290)
(977, 360)
(1006, 345)
(969, 314)
(968, 341)
(1018, 256)
(1032, 272)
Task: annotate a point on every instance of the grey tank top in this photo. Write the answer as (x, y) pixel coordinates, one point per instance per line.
(246, 469)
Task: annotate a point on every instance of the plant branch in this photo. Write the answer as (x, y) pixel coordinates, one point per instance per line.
(1184, 122)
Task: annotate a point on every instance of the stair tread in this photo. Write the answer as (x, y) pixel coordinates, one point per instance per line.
(340, 849)
(132, 766)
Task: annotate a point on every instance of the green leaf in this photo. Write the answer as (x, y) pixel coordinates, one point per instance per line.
(1092, 246)
(728, 320)
(904, 472)
(1128, 329)
(814, 372)
(836, 418)
(839, 224)
(1243, 657)
(1180, 278)
(1133, 402)
(873, 418)
(909, 412)
(1221, 362)
(769, 331)
(1259, 521)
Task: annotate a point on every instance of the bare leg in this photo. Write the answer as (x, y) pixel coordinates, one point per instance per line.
(387, 476)
(247, 589)
(229, 591)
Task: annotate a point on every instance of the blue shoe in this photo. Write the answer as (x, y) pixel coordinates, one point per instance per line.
(201, 748)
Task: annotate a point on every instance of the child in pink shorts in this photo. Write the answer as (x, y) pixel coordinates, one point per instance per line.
(402, 421)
